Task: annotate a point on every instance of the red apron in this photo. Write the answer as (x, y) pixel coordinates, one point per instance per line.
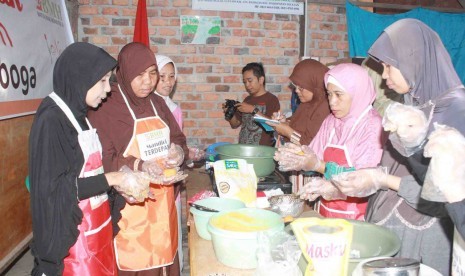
(93, 253)
(352, 207)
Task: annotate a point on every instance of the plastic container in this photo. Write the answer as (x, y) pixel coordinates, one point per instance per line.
(201, 217)
(392, 267)
(238, 248)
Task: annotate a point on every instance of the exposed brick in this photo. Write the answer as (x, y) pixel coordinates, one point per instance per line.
(316, 17)
(216, 114)
(110, 11)
(344, 46)
(246, 15)
(335, 37)
(212, 97)
(150, 12)
(188, 105)
(207, 50)
(213, 59)
(341, 27)
(158, 40)
(316, 53)
(85, 21)
(327, 27)
(327, 9)
(265, 16)
(226, 14)
(99, 2)
(103, 21)
(187, 49)
(316, 35)
(108, 30)
(199, 131)
(282, 17)
(90, 31)
(325, 45)
(240, 32)
(175, 41)
(222, 88)
(257, 33)
(203, 69)
(208, 123)
(233, 23)
(180, 3)
(192, 97)
(274, 34)
(204, 88)
(127, 30)
(333, 18)
(258, 51)
(218, 131)
(253, 25)
(158, 21)
(100, 39)
(289, 26)
(222, 69)
(241, 51)
(169, 13)
(119, 40)
(88, 10)
(289, 35)
(120, 22)
(331, 53)
(194, 59)
(112, 50)
(232, 79)
(291, 53)
(275, 70)
(251, 42)
(185, 70)
(274, 52)
(166, 32)
(223, 50)
(120, 2)
(213, 79)
(289, 44)
(233, 41)
(268, 42)
(268, 25)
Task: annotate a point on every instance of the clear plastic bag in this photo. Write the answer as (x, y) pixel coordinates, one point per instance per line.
(277, 254)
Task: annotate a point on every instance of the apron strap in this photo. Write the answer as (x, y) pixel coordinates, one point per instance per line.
(62, 105)
(130, 110)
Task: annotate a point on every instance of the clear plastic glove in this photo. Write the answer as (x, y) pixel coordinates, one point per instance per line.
(153, 167)
(361, 183)
(169, 176)
(292, 157)
(196, 154)
(408, 126)
(320, 187)
(134, 185)
(445, 178)
(175, 156)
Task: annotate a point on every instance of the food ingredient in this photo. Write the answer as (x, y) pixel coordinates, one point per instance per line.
(235, 221)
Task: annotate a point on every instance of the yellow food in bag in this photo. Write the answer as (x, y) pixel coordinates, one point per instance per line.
(325, 243)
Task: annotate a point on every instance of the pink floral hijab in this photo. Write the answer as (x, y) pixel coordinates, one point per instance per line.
(361, 129)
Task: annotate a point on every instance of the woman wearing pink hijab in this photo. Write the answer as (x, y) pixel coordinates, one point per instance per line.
(349, 139)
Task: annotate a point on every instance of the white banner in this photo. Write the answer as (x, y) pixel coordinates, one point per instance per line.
(259, 6)
(32, 36)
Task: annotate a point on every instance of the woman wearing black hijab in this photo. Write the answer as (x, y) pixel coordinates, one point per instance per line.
(71, 220)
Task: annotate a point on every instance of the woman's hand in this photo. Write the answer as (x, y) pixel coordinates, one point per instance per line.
(175, 157)
(132, 185)
(282, 128)
(291, 157)
(361, 183)
(320, 187)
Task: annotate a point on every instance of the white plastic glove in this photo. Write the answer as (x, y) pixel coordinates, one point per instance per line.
(175, 156)
(153, 167)
(134, 185)
(196, 154)
(320, 187)
(291, 157)
(361, 183)
(445, 178)
(408, 126)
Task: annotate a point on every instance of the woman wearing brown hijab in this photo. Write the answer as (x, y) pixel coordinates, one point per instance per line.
(308, 80)
(136, 128)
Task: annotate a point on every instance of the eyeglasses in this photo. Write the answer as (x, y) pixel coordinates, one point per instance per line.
(296, 87)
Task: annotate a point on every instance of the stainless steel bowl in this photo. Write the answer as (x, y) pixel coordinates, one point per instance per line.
(287, 205)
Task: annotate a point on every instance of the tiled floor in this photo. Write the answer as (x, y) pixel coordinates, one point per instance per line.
(23, 265)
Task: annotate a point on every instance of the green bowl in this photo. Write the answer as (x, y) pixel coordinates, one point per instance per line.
(201, 217)
(368, 241)
(261, 157)
(238, 249)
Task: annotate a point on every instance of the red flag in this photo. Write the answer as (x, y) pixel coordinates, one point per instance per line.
(141, 28)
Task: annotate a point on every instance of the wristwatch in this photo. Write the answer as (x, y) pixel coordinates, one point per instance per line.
(255, 111)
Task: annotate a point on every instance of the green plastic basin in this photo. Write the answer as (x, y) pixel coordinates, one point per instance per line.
(261, 157)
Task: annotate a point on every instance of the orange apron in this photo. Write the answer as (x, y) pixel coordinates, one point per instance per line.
(93, 253)
(148, 236)
(352, 207)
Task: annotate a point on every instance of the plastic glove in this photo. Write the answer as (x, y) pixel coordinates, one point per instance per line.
(408, 126)
(175, 156)
(134, 184)
(320, 187)
(168, 178)
(291, 157)
(153, 167)
(196, 154)
(361, 183)
(445, 178)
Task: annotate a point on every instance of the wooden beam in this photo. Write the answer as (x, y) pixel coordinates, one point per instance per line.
(385, 6)
(462, 3)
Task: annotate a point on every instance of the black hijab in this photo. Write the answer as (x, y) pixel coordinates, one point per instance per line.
(56, 159)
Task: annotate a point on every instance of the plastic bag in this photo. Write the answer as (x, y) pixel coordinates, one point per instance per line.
(277, 254)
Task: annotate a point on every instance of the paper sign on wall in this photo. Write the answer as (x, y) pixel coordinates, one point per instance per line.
(259, 6)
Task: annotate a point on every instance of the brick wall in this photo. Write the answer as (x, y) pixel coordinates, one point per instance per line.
(209, 74)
